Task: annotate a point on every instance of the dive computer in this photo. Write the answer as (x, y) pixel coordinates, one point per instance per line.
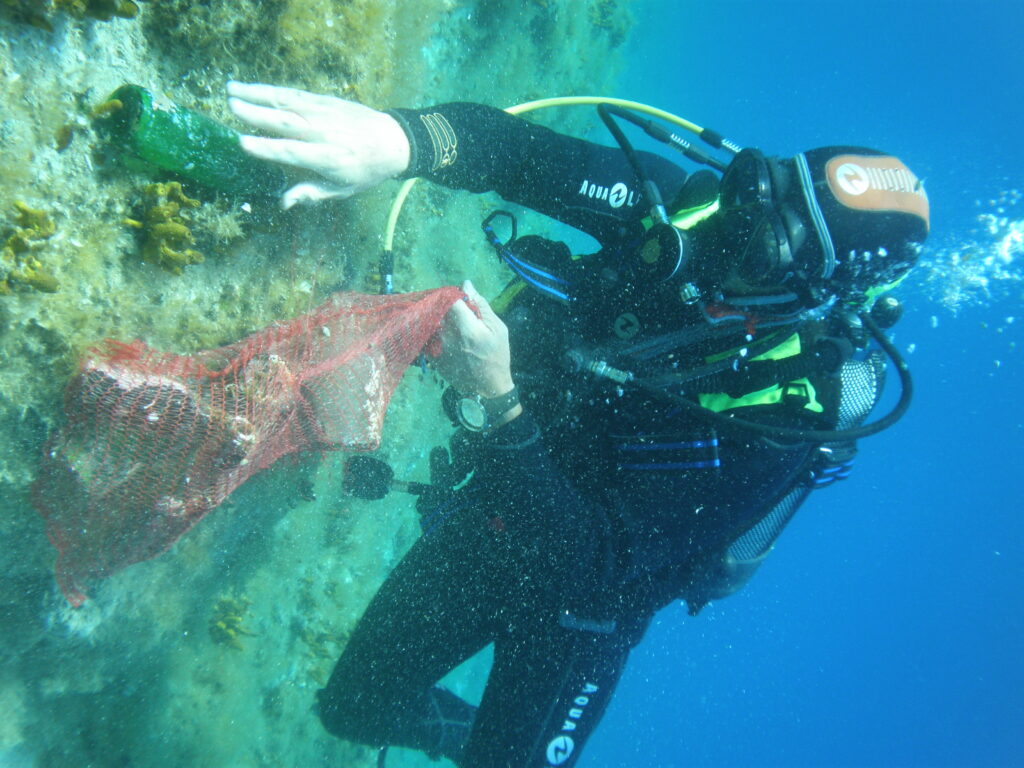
(478, 414)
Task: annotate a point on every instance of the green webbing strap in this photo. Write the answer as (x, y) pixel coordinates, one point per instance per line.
(788, 347)
(801, 389)
(871, 294)
(727, 420)
(798, 388)
(687, 217)
(503, 300)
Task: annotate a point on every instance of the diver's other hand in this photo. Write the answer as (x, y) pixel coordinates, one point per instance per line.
(348, 145)
(475, 357)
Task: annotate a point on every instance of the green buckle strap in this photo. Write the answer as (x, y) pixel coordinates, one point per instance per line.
(794, 391)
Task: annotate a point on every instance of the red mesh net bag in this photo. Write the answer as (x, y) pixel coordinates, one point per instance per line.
(153, 442)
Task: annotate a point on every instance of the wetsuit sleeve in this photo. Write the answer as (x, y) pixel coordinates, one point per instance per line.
(483, 149)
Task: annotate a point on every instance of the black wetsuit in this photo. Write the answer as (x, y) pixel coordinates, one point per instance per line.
(584, 516)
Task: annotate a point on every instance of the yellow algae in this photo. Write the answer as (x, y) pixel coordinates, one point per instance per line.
(107, 108)
(37, 222)
(167, 238)
(226, 625)
(20, 267)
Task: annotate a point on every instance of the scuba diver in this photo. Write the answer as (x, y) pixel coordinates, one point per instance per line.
(636, 425)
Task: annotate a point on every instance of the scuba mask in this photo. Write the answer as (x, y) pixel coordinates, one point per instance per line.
(830, 221)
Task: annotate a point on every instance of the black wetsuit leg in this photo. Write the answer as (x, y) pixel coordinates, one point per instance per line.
(459, 588)
(548, 689)
(433, 612)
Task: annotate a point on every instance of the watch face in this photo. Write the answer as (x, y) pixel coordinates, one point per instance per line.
(472, 414)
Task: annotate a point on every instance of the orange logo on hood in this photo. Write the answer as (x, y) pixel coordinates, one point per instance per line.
(876, 183)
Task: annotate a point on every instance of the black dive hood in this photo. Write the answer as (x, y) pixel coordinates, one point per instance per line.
(830, 221)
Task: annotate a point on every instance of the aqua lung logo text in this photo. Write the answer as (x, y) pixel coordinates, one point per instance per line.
(616, 196)
(855, 179)
(560, 748)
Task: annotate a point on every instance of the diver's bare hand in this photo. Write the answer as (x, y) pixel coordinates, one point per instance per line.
(348, 145)
(475, 357)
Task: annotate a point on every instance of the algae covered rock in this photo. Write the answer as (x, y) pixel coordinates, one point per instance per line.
(145, 674)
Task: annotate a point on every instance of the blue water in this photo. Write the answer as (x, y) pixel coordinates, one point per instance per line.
(885, 630)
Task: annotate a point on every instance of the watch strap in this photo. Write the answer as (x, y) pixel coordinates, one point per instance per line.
(497, 406)
(480, 414)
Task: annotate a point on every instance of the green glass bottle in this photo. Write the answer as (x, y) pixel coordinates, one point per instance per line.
(155, 136)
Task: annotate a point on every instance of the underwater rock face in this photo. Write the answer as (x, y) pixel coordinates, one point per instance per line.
(137, 676)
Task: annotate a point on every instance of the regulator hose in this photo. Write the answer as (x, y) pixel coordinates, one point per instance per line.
(805, 435)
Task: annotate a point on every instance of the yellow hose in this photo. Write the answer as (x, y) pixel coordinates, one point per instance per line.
(566, 101)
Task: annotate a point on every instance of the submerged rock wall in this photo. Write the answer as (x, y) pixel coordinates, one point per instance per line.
(209, 655)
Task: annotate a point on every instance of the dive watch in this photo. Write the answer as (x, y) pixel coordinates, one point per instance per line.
(478, 414)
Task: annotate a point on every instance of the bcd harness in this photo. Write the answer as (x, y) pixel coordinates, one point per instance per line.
(780, 372)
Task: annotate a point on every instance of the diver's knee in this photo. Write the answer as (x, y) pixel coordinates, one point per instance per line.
(335, 716)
